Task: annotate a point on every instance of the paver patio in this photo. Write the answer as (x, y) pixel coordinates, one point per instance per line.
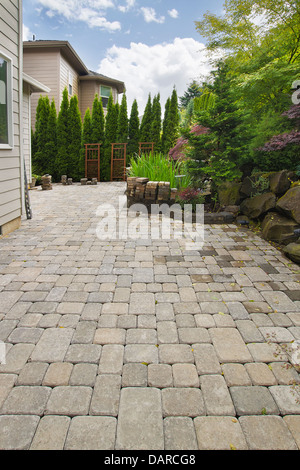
(139, 344)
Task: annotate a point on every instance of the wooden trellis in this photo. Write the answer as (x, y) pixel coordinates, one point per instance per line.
(118, 162)
(145, 148)
(92, 161)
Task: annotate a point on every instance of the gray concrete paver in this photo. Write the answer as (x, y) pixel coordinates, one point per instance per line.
(140, 344)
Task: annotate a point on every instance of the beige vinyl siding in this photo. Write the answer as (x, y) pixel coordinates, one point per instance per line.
(88, 89)
(10, 159)
(43, 65)
(65, 69)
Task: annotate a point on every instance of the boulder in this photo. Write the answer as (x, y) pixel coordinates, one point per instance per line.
(259, 205)
(218, 218)
(229, 193)
(279, 182)
(292, 251)
(233, 209)
(278, 228)
(289, 203)
(247, 188)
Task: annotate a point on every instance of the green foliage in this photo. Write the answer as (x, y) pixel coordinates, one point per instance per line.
(204, 102)
(133, 131)
(190, 196)
(157, 167)
(40, 164)
(156, 123)
(171, 123)
(75, 136)
(111, 125)
(122, 129)
(87, 131)
(222, 151)
(97, 122)
(145, 129)
(51, 142)
(260, 42)
(194, 90)
(63, 136)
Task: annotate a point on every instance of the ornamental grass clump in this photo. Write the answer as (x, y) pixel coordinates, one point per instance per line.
(156, 167)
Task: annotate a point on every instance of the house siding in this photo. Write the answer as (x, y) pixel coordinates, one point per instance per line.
(43, 66)
(65, 69)
(11, 159)
(88, 90)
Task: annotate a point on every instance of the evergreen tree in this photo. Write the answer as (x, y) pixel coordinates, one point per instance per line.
(193, 91)
(122, 130)
(172, 124)
(51, 144)
(75, 135)
(87, 131)
(133, 131)
(111, 124)
(165, 126)
(98, 121)
(220, 152)
(63, 136)
(145, 129)
(39, 161)
(156, 123)
(85, 139)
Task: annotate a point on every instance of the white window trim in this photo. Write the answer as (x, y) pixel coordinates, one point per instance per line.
(10, 143)
(103, 96)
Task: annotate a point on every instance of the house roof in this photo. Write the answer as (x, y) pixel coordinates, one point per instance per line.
(120, 86)
(64, 46)
(35, 85)
(68, 51)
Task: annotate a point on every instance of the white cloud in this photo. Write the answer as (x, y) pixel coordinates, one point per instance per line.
(150, 15)
(156, 69)
(27, 34)
(129, 4)
(92, 12)
(173, 13)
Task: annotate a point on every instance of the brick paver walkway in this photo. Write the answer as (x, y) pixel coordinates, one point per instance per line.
(142, 345)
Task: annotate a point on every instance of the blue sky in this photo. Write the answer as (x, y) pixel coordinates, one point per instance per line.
(150, 45)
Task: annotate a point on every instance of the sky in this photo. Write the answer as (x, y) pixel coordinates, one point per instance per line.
(150, 45)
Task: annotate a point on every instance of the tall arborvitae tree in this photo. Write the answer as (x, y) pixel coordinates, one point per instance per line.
(156, 123)
(39, 162)
(165, 125)
(122, 130)
(145, 129)
(86, 139)
(75, 135)
(133, 131)
(63, 132)
(172, 126)
(34, 133)
(111, 124)
(51, 145)
(98, 121)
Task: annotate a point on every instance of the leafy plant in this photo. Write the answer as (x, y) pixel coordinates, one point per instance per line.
(157, 167)
(190, 196)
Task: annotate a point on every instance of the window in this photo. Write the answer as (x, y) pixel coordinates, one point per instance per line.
(105, 92)
(6, 130)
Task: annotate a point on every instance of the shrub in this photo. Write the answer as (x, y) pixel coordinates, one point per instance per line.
(190, 196)
(157, 167)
